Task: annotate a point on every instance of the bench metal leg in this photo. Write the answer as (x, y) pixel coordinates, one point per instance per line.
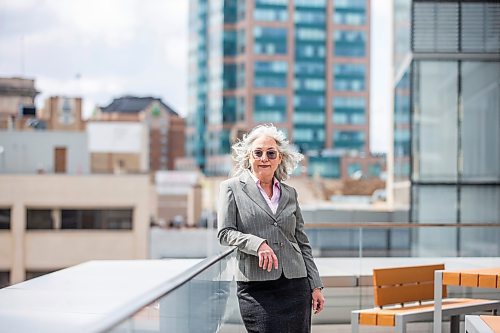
(354, 322)
(455, 324)
(400, 325)
(438, 300)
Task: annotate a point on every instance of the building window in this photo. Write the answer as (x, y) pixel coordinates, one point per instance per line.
(349, 110)
(480, 130)
(310, 3)
(308, 102)
(269, 108)
(349, 77)
(271, 2)
(324, 166)
(309, 84)
(229, 109)
(310, 68)
(96, 219)
(353, 168)
(350, 12)
(308, 134)
(309, 17)
(308, 51)
(270, 14)
(229, 76)
(39, 219)
(34, 274)
(270, 40)
(435, 135)
(5, 218)
(349, 43)
(310, 34)
(349, 140)
(4, 279)
(309, 118)
(374, 170)
(229, 43)
(270, 74)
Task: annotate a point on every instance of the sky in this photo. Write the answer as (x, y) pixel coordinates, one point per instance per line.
(104, 49)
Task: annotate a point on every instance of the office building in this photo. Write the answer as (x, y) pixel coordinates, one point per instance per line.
(447, 119)
(80, 218)
(302, 65)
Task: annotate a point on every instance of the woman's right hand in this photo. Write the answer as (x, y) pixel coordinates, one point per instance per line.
(267, 258)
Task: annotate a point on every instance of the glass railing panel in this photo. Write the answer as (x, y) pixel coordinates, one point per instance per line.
(205, 303)
(335, 240)
(347, 253)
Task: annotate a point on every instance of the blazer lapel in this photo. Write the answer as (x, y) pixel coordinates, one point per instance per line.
(253, 192)
(285, 196)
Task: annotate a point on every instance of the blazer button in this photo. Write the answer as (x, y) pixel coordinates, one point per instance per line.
(281, 244)
(275, 224)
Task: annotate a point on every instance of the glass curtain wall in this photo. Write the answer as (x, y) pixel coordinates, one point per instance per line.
(447, 120)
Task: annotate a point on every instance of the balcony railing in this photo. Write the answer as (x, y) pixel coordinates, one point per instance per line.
(204, 299)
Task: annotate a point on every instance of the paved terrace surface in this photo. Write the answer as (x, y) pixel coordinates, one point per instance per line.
(79, 298)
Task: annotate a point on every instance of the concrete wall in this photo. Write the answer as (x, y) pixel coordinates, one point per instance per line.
(28, 152)
(23, 250)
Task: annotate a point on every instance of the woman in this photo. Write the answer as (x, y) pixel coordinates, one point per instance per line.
(278, 282)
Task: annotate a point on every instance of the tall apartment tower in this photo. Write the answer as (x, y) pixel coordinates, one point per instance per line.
(302, 65)
(447, 120)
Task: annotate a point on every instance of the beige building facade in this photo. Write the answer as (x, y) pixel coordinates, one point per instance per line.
(15, 93)
(80, 218)
(63, 113)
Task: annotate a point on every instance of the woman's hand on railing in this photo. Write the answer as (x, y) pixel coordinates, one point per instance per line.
(267, 258)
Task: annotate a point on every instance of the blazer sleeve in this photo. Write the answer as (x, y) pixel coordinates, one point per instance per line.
(228, 232)
(305, 247)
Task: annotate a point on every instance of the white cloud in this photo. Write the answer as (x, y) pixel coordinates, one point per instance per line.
(114, 21)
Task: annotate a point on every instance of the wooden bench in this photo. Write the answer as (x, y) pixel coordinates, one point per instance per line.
(405, 294)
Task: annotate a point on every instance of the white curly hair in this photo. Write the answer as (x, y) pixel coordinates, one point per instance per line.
(242, 149)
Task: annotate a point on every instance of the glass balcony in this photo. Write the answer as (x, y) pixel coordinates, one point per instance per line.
(192, 295)
(345, 254)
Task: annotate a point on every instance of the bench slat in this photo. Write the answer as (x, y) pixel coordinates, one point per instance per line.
(404, 294)
(404, 275)
(451, 278)
(487, 281)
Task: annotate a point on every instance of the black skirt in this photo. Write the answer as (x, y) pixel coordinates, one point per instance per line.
(276, 306)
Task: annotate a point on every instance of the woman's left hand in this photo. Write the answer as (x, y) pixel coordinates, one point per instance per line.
(318, 300)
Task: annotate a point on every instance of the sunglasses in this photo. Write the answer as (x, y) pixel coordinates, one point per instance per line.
(271, 154)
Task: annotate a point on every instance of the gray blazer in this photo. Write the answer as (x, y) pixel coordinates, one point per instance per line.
(245, 221)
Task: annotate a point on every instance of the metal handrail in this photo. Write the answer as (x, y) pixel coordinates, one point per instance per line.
(375, 225)
(166, 288)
